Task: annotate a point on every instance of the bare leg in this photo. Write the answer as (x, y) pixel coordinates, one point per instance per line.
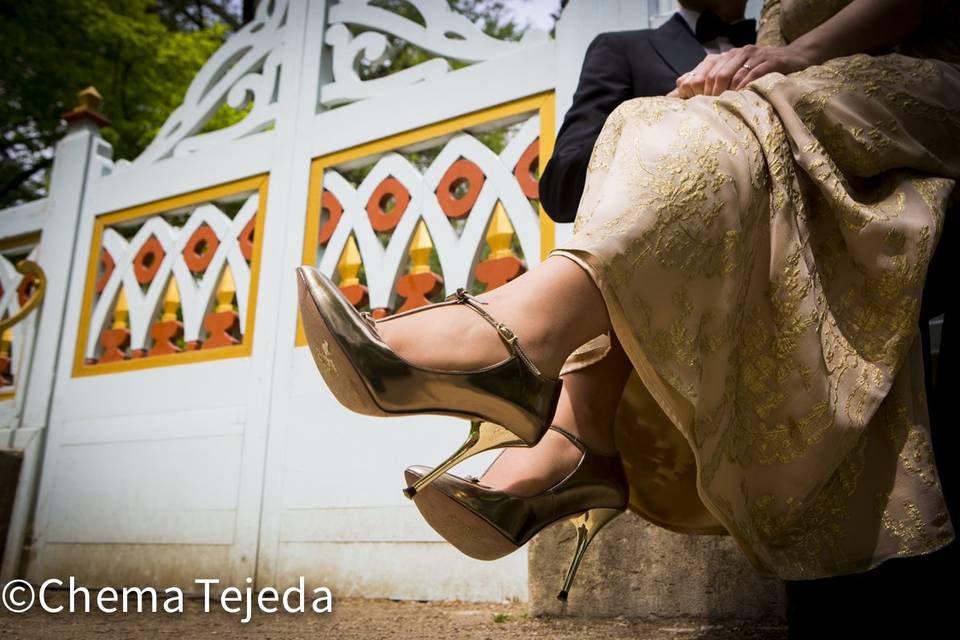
(588, 405)
(553, 309)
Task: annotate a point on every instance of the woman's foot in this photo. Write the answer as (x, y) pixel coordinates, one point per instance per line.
(587, 409)
(552, 310)
(527, 472)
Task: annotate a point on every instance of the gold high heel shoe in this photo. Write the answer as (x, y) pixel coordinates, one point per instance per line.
(487, 523)
(510, 404)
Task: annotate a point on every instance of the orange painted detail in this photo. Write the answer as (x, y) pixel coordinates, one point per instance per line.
(115, 343)
(380, 312)
(380, 219)
(106, 260)
(138, 353)
(220, 324)
(200, 248)
(245, 239)
(148, 259)
(356, 294)
(461, 172)
(193, 345)
(5, 378)
(26, 287)
(333, 209)
(164, 332)
(526, 170)
(499, 271)
(416, 288)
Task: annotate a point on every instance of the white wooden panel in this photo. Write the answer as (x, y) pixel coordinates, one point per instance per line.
(162, 491)
(24, 218)
(137, 185)
(356, 524)
(156, 425)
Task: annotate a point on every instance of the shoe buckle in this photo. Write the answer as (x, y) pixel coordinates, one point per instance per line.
(505, 331)
(369, 319)
(460, 295)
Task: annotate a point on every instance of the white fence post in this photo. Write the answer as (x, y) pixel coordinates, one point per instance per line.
(76, 157)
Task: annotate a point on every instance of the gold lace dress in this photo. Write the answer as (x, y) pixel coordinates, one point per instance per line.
(762, 256)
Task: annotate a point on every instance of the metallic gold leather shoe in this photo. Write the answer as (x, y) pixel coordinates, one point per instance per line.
(487, 524)
(510, 404)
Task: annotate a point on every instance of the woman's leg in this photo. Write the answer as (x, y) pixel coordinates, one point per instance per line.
(587, 409)
(553, 309)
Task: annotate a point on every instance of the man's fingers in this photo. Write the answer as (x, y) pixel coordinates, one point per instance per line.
(692, 82)
(695, 82)
(684, 86)
(741, 73)
(758, 71)
(718, 80)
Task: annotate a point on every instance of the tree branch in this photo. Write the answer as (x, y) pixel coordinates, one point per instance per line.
(224, 15)
(22, 176)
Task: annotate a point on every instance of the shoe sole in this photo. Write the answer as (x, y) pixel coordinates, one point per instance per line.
(332, 360)
(459, 525)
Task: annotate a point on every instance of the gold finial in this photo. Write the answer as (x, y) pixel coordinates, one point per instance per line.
(88, 103)
(421, 248)
(171, 301)
(500, 234)
(121, 313)
(5, 341)
(350, 262)
(89, 99)
(225, 291)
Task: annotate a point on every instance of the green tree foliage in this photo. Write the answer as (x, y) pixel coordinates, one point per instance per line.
(140, 54)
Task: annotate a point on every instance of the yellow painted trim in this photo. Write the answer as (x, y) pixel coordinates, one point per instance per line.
(7, 395)
(543, 103)
(254, 183)
(548, 132)
(24, 239)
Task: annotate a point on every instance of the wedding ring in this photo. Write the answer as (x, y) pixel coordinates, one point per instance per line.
(747, 66)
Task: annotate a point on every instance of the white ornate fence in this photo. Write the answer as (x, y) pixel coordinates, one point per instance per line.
(185, 431)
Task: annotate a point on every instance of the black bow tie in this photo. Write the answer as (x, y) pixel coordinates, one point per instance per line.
(710, 27)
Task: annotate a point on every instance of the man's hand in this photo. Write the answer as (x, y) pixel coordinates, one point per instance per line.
(734, 69)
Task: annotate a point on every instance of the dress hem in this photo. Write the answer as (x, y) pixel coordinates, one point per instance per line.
(666, 397)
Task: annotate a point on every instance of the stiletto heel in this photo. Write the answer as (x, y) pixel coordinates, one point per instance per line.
(487, 524)
(588, 524)
(483, 437)
(512, 397)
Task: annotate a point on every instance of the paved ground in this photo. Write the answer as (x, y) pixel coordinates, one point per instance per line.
(361, 619)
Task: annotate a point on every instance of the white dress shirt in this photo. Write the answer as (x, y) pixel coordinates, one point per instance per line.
(718, 45)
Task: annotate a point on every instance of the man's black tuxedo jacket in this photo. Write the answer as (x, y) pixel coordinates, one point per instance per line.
(618, 66)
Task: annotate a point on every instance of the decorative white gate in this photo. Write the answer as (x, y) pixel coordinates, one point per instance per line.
(190, 435)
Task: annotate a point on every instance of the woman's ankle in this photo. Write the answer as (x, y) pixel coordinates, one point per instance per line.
(447, 338)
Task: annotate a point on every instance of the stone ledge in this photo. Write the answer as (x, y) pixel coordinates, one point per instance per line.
(636, 569)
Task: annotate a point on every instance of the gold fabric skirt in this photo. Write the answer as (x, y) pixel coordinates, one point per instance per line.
(762, 256)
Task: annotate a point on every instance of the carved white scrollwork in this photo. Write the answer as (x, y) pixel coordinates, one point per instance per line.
(445, 33)
(245, 69)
